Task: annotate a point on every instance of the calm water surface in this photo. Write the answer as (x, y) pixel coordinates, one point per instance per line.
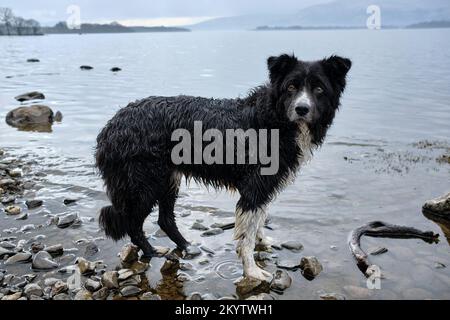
(368, 169)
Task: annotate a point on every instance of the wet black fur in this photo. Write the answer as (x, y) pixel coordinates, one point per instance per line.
(133, 150)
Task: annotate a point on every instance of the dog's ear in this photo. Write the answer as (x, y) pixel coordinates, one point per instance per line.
(280, 66)
(336, 69)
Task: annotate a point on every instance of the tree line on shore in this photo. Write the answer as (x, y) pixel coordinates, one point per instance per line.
(12, 25)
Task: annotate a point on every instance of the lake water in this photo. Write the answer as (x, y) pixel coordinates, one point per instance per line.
(370, 167)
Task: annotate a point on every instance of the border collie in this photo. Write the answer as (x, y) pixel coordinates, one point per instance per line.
(134, 149)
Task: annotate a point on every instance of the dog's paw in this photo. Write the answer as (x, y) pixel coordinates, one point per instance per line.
(258, 274)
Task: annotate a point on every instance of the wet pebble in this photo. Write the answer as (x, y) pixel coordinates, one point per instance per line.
(130, 291)
(110, 280)
(61, 297)
(207, 250)
(49, 282)
(288, 264)
(33, 289)
(311, 267)
(13, 210)
(27, 227)
(7, 245)
(101, 294)
(83, 295)
(33, 60)
(203, 262)
(150, 296)
(115, 69)
(281, 281)
(55, 250)
(6, 252)
(21, 257)
(91, 249)
(33, 204)
(43, 261)
(86, 267)
(294, 246)
(92, 285)
(199, 226)
(86, 67)
(331, 296)
(125, 274)
(36, 247)
(261, 296)
(129, 254)
(67, 220)
(23, 216)
(191, 252)
(186, 266)
(15, 173)
(8, 200)
(14, 296)
(212, 232)
(34, 95)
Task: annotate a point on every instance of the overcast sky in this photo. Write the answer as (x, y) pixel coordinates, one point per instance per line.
(151, 12)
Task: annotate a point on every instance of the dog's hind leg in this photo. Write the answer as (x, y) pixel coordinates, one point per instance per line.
(166, 218)
(246, 229)
(261, 239)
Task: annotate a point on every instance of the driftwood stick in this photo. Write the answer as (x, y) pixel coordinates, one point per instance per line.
(383, 230)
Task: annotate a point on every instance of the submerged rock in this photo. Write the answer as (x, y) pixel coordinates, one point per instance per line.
(23, 216)
(311, 267)
(33, 204)
(116, 69)
(212, 232)
(33, 118)
(439, 206)
(33, 60)
(199, 226)
(191, 252)
(43, 261)
(293, 246)
(33, 95)
(86, 67)
(288, 264)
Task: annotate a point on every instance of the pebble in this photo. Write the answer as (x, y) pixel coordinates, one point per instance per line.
(67, 220)
(55, 250)
(207, 250)
(33, 289)
(14, 296)
(378, 251)
(59, 287)
(203, 262)
(246, 285)
(288, 264)
(6, 182)
(195, 296)
(261, 296)
(139, 267)
(91, 249)
(33, 204)
(129, 254)
(61, 296)
(43, 261)
(33, 60)
(186, 266)
(191, 252)
(34, 95)
(21, 257)
(116, 69)
(15, 173)
(8, 200)
(101, 294)
(130, 291)
(49, 282)
(332, 296)
(125, 274)
(27, 227)
(7, 245)
(36, 247)
(85, 67)
(92, 285)
(161, 251)
(311, 267)
(83, 295)
(212, 232)
(23, 216)
(150, 296)
(13, 210)
(281, 281)
(294, 246)
(223, 226)
(199, 226)
(110, 280)
(86, 267)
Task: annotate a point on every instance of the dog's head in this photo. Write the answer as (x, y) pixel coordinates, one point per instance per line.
(308, 92)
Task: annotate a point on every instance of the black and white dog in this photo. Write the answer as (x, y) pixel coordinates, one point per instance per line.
(134, 150)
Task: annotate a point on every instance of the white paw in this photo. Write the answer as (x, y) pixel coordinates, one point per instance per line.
(258, 273)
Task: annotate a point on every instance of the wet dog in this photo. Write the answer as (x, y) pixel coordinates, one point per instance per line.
(134, 150)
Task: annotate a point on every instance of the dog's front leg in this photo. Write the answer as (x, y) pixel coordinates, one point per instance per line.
(261, 239)
(245, 232)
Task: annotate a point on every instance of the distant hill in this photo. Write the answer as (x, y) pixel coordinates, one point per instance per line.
(341, 13)
(114, 27)
(430, 25)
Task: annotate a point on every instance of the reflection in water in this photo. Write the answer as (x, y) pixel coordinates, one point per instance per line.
(45, 128)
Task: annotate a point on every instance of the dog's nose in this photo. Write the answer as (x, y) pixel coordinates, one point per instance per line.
(302, 110)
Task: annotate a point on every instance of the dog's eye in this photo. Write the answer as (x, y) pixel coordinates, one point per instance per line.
(318, 90)
(292, 88)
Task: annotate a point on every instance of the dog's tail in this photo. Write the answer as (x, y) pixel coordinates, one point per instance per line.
(113, 223)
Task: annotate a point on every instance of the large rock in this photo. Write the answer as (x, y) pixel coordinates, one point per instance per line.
(34, 95)
(21, 257)
(281, 281)
(129, 254)
(35, 117)
(439, 206)
(110, 280)
(43, 261)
